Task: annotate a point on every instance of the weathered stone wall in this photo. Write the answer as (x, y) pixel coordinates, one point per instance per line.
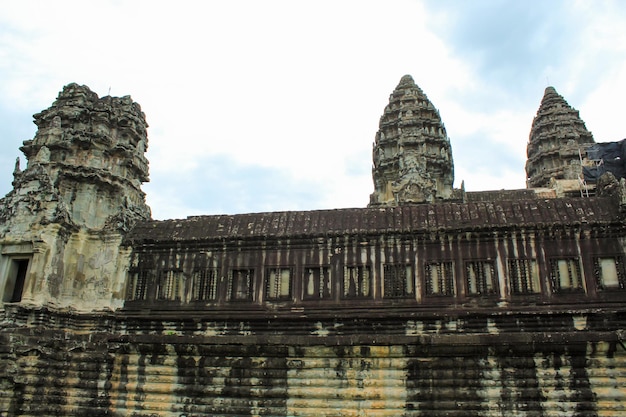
(62, 224)
(501, 304)
(84, 270)
(514, 364)
(450, 255)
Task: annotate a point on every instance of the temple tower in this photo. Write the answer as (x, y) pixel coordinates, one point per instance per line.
(61, 225)
(556, 139)
(412, 153)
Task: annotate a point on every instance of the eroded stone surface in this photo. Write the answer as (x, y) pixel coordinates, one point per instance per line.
(499, 304)
(412, 153)
(454, 365)
(79, 193)
(85, 165)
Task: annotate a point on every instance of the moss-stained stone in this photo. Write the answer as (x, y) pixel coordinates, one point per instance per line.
(432, 302)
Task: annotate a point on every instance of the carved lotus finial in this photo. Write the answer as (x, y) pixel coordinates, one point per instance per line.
(406, 80)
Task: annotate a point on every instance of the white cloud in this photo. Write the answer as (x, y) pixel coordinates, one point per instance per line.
(603, 110)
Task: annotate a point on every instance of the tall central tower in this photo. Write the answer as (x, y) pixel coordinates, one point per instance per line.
(412, 154)
(554, 147)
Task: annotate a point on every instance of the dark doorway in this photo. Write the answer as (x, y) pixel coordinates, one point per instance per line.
(15, 283)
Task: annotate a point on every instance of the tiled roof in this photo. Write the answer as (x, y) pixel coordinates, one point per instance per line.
(411, 218)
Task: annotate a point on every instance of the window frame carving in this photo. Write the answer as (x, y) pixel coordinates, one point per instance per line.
(364, 280)
(205, 284)
(322, 283)
(169, 285)
(274, 290)
(445, 279)
(138, 283)
(477, 268)
(234, 289)
(398, 280)
(523, 274)
(619, 271)
(573, 266)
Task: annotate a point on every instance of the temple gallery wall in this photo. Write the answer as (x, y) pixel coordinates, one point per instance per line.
(431, 301)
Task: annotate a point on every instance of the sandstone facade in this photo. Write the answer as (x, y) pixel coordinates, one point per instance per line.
(62, 224)
(430, 302)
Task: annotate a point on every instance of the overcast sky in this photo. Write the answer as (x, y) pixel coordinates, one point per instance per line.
(274, 105)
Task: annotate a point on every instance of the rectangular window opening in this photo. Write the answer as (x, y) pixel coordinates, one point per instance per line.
(439, 278)
(16, 279)
(565, 275)
(480, 277)
(609, 272)
(170, 285)
(138, 285)
(357, 281)
(524, 276)
(241, 284)
(278, 284)
(317, 284)
(398, 281)
(204, 283)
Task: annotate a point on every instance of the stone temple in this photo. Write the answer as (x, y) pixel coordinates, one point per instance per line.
(432, 301)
